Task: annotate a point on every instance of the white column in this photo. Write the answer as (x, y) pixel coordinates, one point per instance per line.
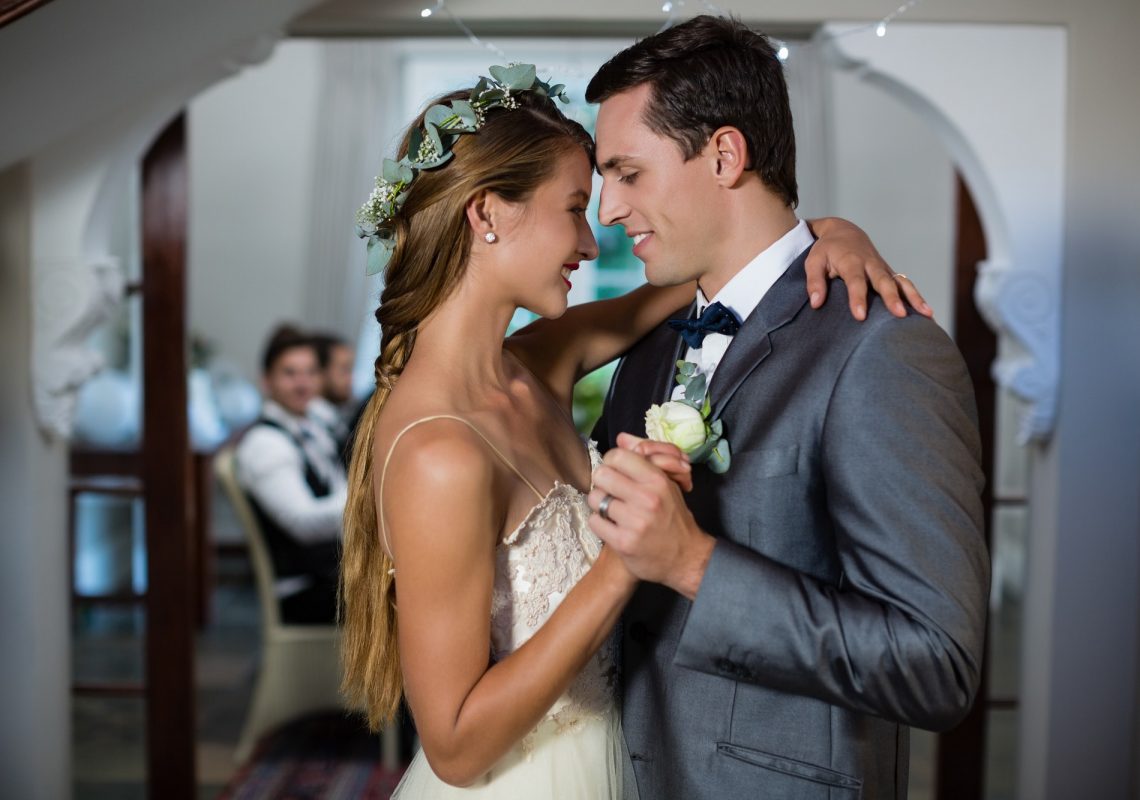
(35, 669)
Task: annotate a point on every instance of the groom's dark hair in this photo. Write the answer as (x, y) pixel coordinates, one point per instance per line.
(707, 73)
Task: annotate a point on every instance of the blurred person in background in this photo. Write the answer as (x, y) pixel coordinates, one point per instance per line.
(334, 405)
(289, 464)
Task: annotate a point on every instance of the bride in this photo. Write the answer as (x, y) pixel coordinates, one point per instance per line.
(467, 490)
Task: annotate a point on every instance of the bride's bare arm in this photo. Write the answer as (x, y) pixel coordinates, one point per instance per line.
(444, 511)
(560, 351)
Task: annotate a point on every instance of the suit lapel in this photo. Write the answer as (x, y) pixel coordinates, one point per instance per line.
(752, 344)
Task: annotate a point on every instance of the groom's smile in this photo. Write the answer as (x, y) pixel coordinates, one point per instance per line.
(638, 240)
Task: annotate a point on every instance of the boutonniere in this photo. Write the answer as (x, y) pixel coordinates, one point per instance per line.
(685, 423)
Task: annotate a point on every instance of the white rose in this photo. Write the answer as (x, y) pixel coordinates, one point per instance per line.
(676, 423)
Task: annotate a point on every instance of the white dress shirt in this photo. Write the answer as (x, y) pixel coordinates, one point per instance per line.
(743, 293)
(272, 470)
(330, 416)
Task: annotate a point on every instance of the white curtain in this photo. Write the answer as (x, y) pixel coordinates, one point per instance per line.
(359, 89)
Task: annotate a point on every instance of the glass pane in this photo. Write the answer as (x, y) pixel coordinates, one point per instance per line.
(106, 544)
(923, 761)
(108, 644)
(1010, 532)
(1001, 755)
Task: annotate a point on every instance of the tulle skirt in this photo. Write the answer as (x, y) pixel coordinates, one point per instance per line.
(582, 763)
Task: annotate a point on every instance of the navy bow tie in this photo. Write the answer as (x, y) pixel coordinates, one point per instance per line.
(714, 319)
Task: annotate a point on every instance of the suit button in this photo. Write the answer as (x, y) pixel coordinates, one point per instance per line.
(638, 633)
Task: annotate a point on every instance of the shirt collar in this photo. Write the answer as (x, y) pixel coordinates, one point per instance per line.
(274, 411)
(747, 288)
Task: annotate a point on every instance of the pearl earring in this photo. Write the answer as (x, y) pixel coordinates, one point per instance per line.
(490, 237)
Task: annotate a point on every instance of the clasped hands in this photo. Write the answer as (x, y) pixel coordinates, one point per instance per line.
(647, 523)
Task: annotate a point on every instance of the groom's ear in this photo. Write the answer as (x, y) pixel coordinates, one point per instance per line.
(729, 153)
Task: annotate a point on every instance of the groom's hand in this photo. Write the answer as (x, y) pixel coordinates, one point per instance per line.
(649, 525)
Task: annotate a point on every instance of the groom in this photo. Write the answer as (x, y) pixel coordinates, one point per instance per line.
(799, 612)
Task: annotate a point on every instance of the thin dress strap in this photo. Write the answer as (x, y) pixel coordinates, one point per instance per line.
(408, 427)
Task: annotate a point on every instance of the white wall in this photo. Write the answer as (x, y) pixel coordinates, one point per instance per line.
(250, 144)
(35, 670)
(892, 176)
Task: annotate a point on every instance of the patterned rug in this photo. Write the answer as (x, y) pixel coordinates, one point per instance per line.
(320, 757)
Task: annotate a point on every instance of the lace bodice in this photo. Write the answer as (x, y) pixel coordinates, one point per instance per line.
(536, 566)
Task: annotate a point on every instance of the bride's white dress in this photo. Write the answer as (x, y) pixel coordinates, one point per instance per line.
(575, 751)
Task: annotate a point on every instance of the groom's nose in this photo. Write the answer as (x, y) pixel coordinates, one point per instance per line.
(611, 210)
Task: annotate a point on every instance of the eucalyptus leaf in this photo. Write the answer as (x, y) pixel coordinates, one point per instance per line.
(702, 453)
(415, 139)
(440, 116)
(716, 428)
(406, 173)
(686, 368)
(379, 254)
(465, 111)
(721, 458)
(518, 77)
(390, 171)
(695, 388)
(433, 135)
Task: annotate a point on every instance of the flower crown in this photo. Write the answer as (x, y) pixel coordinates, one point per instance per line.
(430, 146)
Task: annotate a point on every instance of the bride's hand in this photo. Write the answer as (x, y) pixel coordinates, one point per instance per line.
(666, 457)
(844, 250)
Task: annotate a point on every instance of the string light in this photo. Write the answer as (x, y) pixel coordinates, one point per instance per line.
(673, 9)
(881, 28)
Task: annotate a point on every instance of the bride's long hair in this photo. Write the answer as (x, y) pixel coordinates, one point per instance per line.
(512, 154)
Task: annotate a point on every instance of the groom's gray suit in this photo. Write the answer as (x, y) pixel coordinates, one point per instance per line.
(846, 596)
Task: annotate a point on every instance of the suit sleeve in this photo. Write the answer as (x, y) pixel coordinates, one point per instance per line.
(901, 636)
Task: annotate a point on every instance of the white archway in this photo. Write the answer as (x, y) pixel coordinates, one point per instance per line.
(995, 94)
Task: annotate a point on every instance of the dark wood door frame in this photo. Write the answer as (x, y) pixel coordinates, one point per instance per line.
(167, 473)
(961, 760)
